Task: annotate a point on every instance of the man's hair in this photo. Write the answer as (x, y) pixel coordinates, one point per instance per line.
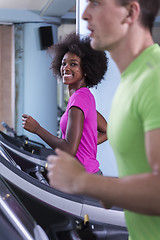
(149, 10)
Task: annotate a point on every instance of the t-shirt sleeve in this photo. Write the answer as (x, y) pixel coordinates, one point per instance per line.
(149, 105)
(82, 101)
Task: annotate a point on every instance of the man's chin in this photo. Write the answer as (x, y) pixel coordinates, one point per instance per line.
(95, 45)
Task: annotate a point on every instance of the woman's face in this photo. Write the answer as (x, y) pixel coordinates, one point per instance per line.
(70, 70)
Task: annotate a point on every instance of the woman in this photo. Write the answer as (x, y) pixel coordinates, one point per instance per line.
(80, 67)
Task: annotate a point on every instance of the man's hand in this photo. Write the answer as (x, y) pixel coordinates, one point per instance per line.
(65, 173)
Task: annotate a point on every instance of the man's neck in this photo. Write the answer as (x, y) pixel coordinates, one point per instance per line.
(130, 49)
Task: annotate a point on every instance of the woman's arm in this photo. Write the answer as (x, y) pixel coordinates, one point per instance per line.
(101, 128)
(73, 132)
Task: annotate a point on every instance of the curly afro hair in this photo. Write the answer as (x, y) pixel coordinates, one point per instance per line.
(94, 63)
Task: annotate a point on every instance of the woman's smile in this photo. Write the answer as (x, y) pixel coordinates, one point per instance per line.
(71, 71)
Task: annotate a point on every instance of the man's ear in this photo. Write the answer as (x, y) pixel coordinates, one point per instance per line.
(133, 9)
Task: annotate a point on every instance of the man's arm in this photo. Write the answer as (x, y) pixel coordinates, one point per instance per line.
(138, 193)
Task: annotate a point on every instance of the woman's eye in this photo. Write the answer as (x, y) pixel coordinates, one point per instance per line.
(63, 64)
(73, 64)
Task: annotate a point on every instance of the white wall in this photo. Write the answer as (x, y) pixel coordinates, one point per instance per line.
(103, 95)
(40, 87)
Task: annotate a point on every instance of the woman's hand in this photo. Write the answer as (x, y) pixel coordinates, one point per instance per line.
(30, 124)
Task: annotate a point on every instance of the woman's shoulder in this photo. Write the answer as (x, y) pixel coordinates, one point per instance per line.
(84, 92)
(82, 95)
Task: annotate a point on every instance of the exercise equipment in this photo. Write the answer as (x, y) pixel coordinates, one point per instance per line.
(61, 215)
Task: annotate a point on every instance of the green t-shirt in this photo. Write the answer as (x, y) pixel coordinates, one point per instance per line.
(136, 110)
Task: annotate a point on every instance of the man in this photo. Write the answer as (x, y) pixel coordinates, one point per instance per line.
(123, 27)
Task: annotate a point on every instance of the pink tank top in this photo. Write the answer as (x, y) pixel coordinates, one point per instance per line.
(87, 149)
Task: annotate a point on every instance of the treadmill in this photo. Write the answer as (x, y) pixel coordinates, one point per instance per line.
(60, 215)
(15, 221)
